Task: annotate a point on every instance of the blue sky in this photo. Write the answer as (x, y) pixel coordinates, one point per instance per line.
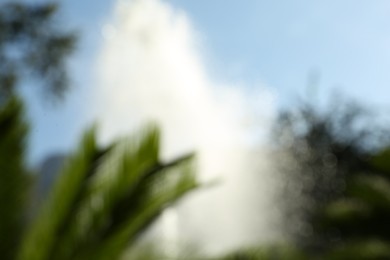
(275, 43)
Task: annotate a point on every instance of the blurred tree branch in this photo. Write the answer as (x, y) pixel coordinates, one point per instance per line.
(33, 46)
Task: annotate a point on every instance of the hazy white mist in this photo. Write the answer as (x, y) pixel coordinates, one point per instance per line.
(152, 68)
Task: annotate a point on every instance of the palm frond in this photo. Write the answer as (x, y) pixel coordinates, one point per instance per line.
(44, 231)
(105, 199)
(154, 194)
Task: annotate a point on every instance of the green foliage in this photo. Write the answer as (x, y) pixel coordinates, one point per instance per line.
(360, 217)
(367, 249)
(346, 159)
(14, 178)
(58, 206)
(107, 198)
(381, 160)
(31, 46)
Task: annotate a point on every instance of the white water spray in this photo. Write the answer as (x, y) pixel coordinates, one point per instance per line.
(151, 69)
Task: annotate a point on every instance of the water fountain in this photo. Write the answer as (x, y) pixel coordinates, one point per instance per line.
(151, 68)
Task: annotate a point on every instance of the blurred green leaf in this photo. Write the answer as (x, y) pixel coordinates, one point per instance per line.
(369, 249)
(105, 199)
(381, 160)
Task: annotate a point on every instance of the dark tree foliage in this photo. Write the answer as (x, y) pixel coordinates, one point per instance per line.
(357, 223)
(14, 179)
(32, 45)
(344, 169)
